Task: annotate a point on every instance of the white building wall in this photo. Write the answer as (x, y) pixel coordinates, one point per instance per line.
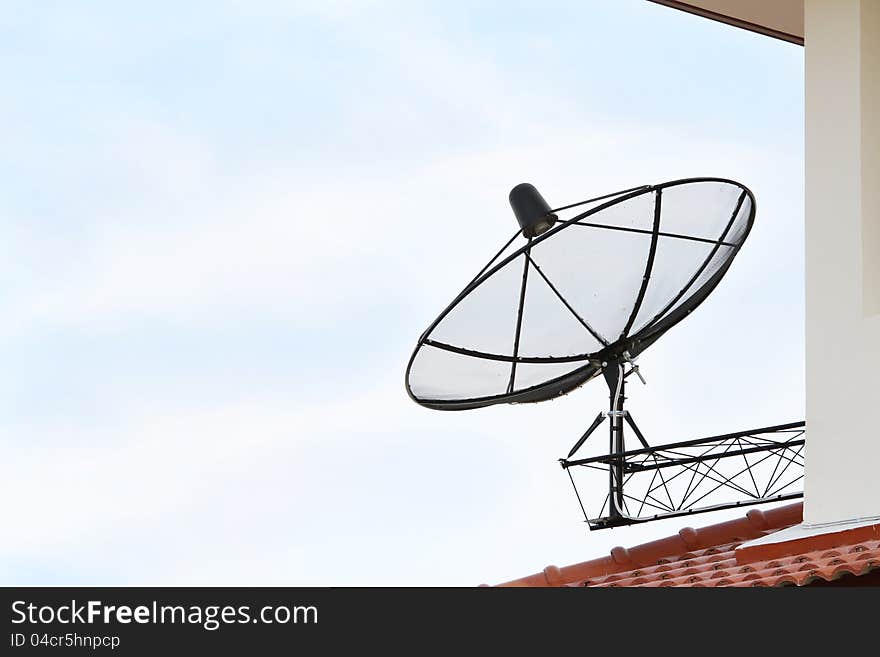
(842, 39)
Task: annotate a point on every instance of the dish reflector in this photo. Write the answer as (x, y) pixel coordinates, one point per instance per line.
(545, 314)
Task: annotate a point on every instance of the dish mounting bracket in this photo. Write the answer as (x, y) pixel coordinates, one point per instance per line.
(683, 478)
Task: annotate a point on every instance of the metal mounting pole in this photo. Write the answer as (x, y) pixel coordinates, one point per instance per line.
(613, 373)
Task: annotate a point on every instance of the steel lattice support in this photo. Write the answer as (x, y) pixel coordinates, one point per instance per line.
(693, 476)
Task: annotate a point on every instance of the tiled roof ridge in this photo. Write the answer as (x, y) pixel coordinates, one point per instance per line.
(754, 524)
(799, 571)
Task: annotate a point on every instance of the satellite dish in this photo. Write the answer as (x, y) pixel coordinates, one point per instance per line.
(566, 297)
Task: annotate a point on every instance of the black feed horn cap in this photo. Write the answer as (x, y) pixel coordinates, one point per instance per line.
(531, 210)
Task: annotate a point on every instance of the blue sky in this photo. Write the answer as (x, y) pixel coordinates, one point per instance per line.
(226, 224)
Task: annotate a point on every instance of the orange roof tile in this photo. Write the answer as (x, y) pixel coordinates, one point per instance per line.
(708, 557)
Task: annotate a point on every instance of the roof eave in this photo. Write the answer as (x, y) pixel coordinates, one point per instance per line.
(732, 20)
